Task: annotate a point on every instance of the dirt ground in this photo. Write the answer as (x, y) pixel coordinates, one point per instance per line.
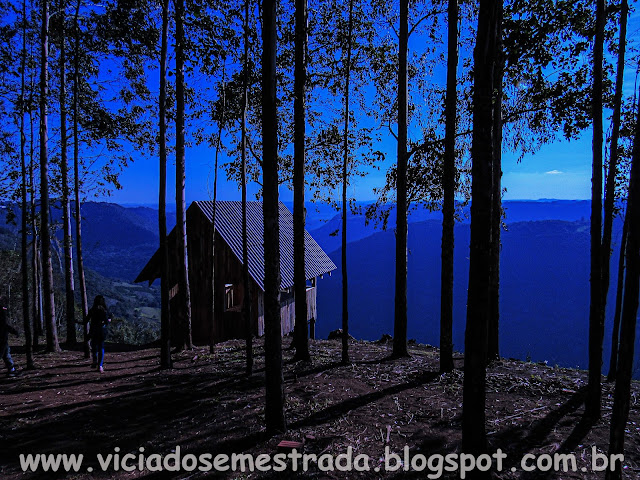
(206, 404)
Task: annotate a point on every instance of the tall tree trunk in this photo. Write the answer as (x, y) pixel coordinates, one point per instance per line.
(165, 317)
(47, 284)
(622, 395)
(615, 336)
(493, 346)
(38, 329)
(596, 311)
(36, 264)
(274, 411)
(345, 205)
(66, 207)
(400, 318)
(212, 338)
(76, 180)
(474, 439)
(26, 319)
(449, 190)
(181, 217)
(610, 189)
(40, 297)
(299, 92)
(245, 246)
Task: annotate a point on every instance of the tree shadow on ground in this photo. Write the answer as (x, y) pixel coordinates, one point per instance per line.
(517, 441)
(346, 406)
(155, 409)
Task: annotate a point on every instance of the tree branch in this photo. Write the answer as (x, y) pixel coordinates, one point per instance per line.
(417, 24)
(392, 132)
(426, 145)
(253, 153)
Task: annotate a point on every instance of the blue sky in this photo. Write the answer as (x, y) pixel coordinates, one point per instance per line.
(559, 170)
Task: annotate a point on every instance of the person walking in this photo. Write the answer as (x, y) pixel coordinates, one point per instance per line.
(5, 330)
(99, 318)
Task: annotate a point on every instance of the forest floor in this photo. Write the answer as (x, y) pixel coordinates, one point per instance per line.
(206, 404)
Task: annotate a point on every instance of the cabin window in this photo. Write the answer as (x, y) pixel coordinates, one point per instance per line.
(228, 296)
(286, 295)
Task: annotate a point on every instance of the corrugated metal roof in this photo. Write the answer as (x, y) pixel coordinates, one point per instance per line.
(229, 226)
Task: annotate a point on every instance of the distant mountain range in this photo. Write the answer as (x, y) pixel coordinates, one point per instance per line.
(117, 241)
(544, 280)
(544, 289)
(544, 272)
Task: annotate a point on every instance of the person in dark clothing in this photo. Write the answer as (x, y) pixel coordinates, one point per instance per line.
(5, 330)
(98, 330)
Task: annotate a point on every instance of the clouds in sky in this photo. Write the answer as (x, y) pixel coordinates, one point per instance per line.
(554, 172)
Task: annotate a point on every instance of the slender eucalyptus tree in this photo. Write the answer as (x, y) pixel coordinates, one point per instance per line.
(274, 411)
(24, 270)
(243, 151)
(36, 266)
(622, 394)
(448, 192)
(76, 178)
(184, 294)
(615, 335)
(70, 303)
(596, 311)
(299, 93)
(610, 188)
(474, 440)
(345, 205)
(213, 215)
(493, 345)
(400, 314)
(165, 316)
(47, 274)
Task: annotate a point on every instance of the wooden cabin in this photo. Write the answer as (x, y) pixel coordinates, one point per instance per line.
(227, 323)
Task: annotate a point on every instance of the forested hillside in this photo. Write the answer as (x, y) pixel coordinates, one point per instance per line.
(544, 279)
(118, 243)
(544, 276)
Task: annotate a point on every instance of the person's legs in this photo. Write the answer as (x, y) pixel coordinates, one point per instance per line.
(94, 353)
(6, 357)
(100, 347)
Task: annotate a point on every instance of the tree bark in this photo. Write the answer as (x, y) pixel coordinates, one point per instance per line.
(70, 302)
(610, 189)
(38, 329)
(274, 411)
(299, 88)
(596, 311)
(213, 219)
(26, 319)
(474, 439)
(493, 346)
(449, 190)
(76, 179)
(345, 205)
(245, 242)
(615, 336)
(181, 217)
(165, 317)
(400, 317)
(47, 284)
(622, 395)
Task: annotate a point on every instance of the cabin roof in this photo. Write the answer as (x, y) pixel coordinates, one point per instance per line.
(229, 226)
